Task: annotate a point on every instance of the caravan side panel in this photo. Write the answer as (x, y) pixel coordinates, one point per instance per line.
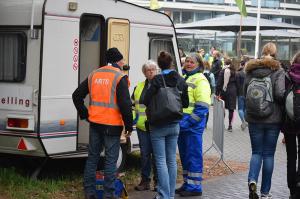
(58, 119)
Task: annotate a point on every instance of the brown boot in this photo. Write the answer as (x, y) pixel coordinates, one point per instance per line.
(144, 185)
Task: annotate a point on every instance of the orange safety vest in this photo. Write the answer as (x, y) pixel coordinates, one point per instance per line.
(103, 108)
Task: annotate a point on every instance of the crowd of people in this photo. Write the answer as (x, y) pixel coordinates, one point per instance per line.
(172, 110)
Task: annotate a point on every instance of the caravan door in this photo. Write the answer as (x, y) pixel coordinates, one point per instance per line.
(91, 57)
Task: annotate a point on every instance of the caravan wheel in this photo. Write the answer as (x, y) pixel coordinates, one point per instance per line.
(121, 160)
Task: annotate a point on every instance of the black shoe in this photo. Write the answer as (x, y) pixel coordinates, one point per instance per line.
(144, 185)
(179, 190)
(91, 196)
(252, 191)
(229, 129)
(293, 196)
(189, 193)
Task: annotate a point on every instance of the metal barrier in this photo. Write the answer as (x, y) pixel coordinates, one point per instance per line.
(218, 132)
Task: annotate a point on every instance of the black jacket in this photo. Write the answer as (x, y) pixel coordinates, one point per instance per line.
(229, 96)
(216, 68)
(172, 79)
(240, 78)
(123, 101)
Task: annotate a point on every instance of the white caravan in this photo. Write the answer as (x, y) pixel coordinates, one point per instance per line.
(47, 47)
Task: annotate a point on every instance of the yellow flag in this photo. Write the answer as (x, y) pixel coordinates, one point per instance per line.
(154, 5)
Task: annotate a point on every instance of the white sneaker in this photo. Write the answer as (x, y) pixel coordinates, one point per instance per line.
(266, 196)
(244, 125)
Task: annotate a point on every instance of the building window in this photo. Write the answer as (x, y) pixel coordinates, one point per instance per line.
(176, 17)
(291, 1)
(12, 56)
(288, 20)
(187, 17)
(202, 15)
(296, 21)
(267, 3)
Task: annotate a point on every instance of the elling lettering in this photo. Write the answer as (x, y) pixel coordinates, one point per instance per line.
(15, 101)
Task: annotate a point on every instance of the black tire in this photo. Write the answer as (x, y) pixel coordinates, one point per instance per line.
(121, 160)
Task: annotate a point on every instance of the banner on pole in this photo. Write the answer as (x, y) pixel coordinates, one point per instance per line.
(242, 7)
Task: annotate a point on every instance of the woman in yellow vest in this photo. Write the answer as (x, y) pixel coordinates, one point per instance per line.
(192, 126)
(149, 69)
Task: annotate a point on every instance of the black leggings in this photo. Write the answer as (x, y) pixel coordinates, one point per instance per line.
(230, 117)
(293, 156)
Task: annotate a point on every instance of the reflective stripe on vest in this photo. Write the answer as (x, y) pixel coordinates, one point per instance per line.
(193, 83)
(103, 107)
(140, 109)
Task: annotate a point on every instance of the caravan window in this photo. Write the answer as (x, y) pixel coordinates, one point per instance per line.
(12, 56)
(161, 43)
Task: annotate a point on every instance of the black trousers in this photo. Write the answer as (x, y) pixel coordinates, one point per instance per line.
(293, 155)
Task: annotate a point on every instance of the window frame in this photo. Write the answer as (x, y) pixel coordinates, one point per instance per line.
(165, 37)
(23, 63)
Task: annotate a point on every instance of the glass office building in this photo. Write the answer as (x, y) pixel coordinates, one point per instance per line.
(186, 11)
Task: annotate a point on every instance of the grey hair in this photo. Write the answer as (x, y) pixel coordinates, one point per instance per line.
(148, 64)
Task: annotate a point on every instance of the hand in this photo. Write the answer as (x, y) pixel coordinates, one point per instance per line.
(127, 133)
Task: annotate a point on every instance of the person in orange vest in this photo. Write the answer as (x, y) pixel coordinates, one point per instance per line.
(109, 110)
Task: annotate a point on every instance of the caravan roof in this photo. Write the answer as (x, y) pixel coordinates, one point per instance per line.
(18, 13)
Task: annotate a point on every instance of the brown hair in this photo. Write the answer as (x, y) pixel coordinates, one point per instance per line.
(164, 60)
(232, 64)
(206, 65)
(269, 49)
(296, 58)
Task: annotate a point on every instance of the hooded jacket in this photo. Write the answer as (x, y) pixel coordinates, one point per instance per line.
(289, 126)
(261, 68)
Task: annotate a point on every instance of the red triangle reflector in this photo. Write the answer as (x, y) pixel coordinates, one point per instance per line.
(22, 145)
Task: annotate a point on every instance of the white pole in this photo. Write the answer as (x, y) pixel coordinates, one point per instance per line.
(257, 29)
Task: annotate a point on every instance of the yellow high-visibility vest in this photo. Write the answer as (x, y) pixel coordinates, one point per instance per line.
(140, 109)
(199, 92)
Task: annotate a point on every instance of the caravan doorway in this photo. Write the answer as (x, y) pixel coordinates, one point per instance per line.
(91, 57)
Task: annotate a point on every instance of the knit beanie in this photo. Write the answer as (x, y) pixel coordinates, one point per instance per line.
(113, 55)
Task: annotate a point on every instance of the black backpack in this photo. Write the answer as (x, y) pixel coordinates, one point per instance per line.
(207, 75)
(165, 105)
(259, 97)
(292, 101)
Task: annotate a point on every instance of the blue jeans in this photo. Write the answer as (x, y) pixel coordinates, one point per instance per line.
(263, 143)
(146, 151)
(111, 144)
(241, 107)
(164, 142)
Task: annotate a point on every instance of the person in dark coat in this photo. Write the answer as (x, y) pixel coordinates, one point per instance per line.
(109, 111)
(164, 133)
(264, 129)
(291, 132)
(216, 66)
(227, 89)
(240, 77)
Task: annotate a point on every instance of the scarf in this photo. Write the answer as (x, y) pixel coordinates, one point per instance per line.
(295, 73)
(226, 77)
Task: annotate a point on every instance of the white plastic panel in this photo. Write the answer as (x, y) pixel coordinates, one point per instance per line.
(53, 145)
(59, 80)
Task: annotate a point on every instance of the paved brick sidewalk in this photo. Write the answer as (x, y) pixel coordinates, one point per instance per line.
(237, 147)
